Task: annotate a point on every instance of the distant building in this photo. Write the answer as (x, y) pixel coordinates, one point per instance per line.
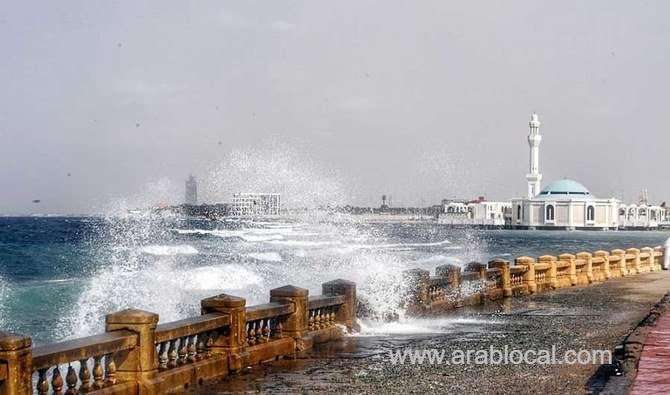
(191, 191)
(251, 204)
(563, 204)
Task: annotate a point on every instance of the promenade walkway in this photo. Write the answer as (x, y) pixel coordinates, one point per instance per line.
(652, 376)
(593, 317)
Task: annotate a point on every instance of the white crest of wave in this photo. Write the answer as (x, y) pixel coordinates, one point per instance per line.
(163, 287)
(169, 250)
(4, 296)
(265, 256)
(417, 326)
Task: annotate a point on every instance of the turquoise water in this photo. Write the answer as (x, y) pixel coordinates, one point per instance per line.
(60, 276)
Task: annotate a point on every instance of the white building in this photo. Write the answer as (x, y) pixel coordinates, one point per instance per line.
(489, 213)
(252, 204)
(563, 204)
(191, 191)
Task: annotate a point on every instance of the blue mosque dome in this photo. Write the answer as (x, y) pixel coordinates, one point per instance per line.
(565, 189)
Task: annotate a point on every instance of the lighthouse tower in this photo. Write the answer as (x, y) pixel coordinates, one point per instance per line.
(534, 138)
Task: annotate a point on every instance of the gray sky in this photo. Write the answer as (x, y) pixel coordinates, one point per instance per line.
(351, 99)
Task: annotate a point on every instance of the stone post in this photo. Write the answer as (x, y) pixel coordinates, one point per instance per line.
(477, 267)
(17, 362)
(606, 265)
(572, 272)
(622, 262)
(650, 258)
(529, 276)
(416, 282)
(346, 314)
(297, 323)
(141, 363)
(451, 272)
(233, 344)
(551, 273)
(588, 257)
(503, 265)
(636, 260)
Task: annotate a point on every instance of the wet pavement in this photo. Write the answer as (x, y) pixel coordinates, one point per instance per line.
(595, 317)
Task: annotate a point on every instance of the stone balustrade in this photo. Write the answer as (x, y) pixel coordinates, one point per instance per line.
(475, 283)
(137, 355)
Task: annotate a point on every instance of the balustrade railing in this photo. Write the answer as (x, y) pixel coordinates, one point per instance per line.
(80, 365)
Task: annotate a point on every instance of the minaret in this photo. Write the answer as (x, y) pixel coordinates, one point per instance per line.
(534, 138)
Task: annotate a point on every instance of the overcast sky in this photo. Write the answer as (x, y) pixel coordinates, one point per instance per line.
(420, 100)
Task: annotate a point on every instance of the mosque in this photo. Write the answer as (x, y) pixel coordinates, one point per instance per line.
(562, 204)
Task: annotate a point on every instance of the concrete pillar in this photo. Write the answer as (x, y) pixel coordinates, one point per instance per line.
(503, 265)
(16, 359)
(296, 324)
(572, 272)
(588, 257)
(551, 273)
(233, 344)
(451, 272)
(416, 282)
(606, 266)
(659, 260)
(650, 259)
(346, 314)
(622, 263)
(477, 267)
(636, 260)
(529, 276)
(141, 363)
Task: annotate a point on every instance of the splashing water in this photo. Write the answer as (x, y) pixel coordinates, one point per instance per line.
(166, 265)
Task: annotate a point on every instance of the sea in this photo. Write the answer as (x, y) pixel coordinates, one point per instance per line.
(59, 276)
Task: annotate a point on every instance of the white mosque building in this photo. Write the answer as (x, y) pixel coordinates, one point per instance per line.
(563, 204)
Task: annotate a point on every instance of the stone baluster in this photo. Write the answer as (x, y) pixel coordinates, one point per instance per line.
(251, 333)
(636, 260)
(172, 355)
(572, 271)
(346, 313)
(163, 355)
(140, 364)
(529, 275)
(84, 375)
(98, 373)
(201, 346)
(233, 344)
(552, 278)
(622, 262)
(110, 369)
(416, 283)
(71, 380)
(16, 354)
(42, 382)
(504, 267)
(606, 264)
(183, 351)
(266, 330)
(56, 381)
(588, 258)
(295, 324)
(192, 350)
(649, 262)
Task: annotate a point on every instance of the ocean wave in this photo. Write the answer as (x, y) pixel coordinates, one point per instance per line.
(245, 235)
(265, 256)
(420, 326)
(169, 250)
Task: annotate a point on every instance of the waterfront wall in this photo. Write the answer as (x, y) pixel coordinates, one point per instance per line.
(453, 286)
(139, 355)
